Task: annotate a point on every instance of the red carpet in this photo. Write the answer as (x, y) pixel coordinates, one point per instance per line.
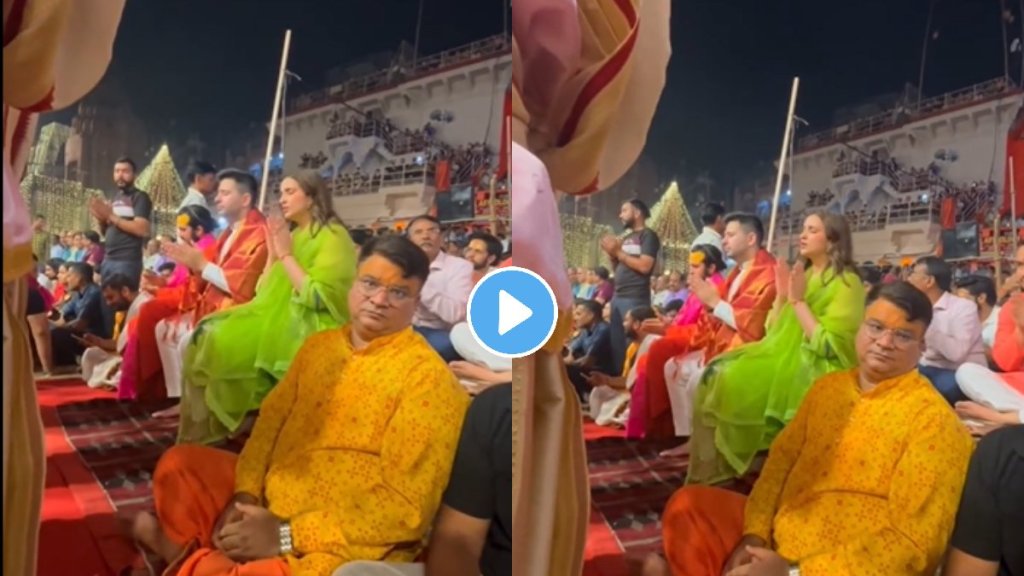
(99, 454)
(629, 486)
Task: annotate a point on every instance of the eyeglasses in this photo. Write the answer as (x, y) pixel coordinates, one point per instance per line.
(370, 288)
(901, 339)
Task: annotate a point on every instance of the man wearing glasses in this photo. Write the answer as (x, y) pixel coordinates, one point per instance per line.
(349, 457)
(954, 337)
(443, 301)
(864, 480)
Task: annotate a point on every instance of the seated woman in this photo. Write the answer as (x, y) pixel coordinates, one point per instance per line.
(997, 398)
(747, 395)
(141, 369)
(651, 395)
(236, 356)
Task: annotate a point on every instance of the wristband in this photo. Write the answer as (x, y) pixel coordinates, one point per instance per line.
(285, 538)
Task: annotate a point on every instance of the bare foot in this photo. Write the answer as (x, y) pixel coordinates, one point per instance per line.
(172, 412)
(147, 532)
(655, 565)
(678, 452)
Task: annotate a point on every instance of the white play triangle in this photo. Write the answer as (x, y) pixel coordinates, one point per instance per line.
(511, 312)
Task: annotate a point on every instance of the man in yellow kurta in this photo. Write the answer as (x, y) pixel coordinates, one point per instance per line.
(349, 456)
(865, 480)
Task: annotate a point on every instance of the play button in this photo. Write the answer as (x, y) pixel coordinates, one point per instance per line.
(512, 312)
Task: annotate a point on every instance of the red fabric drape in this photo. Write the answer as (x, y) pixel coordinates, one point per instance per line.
(948, 214)
(443, 179)
(1014, 151)
(506, 135)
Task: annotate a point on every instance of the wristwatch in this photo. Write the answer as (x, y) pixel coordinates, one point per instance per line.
(794, 571)
(285, 535)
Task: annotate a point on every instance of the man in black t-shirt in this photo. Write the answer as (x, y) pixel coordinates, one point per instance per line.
(634, 260)
(988, 539)
(125, 222)
(473, 532)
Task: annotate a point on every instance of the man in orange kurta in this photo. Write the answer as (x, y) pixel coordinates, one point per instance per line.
(349, 457)
(866, 479)
(738, 314)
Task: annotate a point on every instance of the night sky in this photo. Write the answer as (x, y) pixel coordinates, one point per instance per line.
(211, 65)
(733, 62)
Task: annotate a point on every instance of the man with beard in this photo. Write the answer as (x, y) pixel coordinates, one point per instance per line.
(610, 394)
(483, 251)
(101, 361)
(124, 222)
(633, 258)
(446, 292)
(82, 315)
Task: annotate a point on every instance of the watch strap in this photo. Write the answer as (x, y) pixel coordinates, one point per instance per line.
(285, 535)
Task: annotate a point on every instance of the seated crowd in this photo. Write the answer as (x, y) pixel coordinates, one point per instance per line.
(847, 404)
(366, 415)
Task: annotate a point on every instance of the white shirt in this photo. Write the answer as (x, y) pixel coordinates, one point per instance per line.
(194, 198)
(988, 328)
(708, 236)
(444, 297)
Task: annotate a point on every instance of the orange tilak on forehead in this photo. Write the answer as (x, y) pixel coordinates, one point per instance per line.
(889, 315)
(383, 271)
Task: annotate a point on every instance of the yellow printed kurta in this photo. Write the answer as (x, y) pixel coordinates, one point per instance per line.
(355, 448)
(863, 484)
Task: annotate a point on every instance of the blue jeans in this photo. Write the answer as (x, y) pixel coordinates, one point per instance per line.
(441, 341)
(945, 382)
(618, 331)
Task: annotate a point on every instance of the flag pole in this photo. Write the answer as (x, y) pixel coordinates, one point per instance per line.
(782, 161)
(274, 116)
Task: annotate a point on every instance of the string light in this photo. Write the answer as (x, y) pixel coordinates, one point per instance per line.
(672, 222)
(163, 184)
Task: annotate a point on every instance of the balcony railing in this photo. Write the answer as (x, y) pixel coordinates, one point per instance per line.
(909, 112)
(388, 78)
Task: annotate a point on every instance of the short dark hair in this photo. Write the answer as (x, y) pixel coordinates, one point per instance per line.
(712, 256)
(641, 313)
(494, 247)
(55, 263)
(360, 235)
(906, 297)
(673, 306)
(937, 268)
(712, 212)
(118, 282)
(602, 273)
(422, 217)
(247, 182)
(641, 206)
(871, 274)
(168, 266)
(83, 269)
(595, 307)
(977, 285)
(401, 252)
(128, 161)
(200, 168)
(92, 235)
(749, 222)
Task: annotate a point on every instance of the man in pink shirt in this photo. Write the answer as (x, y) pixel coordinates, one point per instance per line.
(954, 337)
(445, 295)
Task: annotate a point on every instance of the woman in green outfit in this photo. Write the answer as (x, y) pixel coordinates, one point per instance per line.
(747, 395)
(237, 356)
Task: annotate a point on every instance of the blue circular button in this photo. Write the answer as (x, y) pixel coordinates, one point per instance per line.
(512, 312)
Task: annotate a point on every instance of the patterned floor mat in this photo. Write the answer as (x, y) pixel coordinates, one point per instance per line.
(629, 486)
(120, 442)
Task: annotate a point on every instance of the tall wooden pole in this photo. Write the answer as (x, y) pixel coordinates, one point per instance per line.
(274, 117)
(782, 161)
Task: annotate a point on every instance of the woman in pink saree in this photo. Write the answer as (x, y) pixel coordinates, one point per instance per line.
(581, 108)
(706, 263)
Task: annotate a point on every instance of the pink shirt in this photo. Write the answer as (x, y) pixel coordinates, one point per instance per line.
(446, 293)
(954, 337)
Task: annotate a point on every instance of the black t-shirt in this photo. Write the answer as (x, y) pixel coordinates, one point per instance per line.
(481, 482)
(129, 205)
(628, 282)
(990, 522)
